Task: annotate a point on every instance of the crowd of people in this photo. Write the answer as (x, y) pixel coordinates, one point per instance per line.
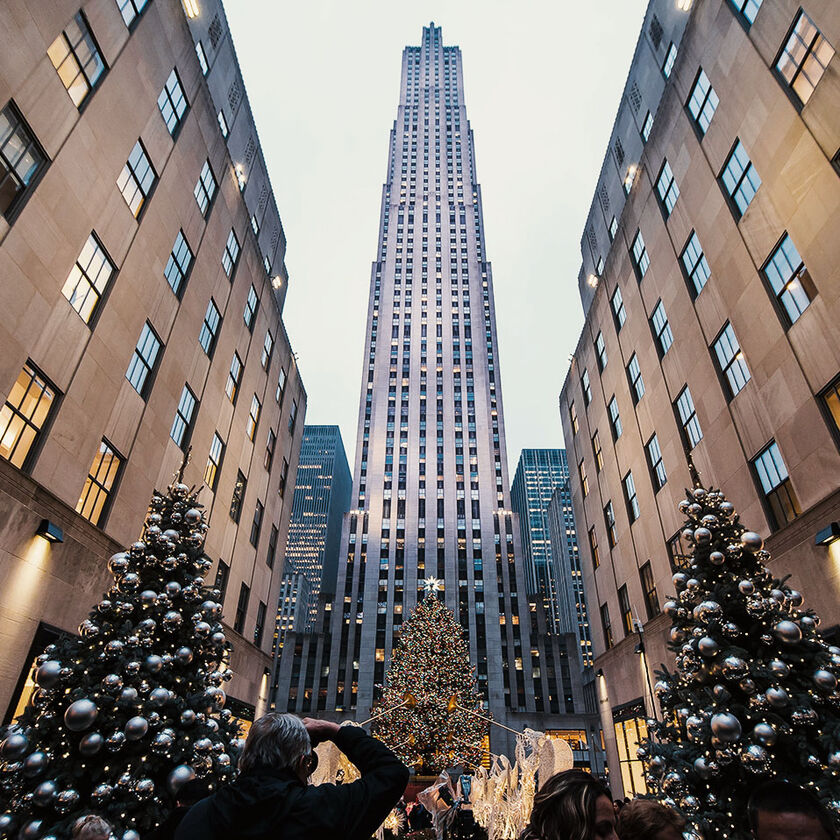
(271, 799)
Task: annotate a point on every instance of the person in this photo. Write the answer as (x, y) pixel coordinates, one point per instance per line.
(271, 797)
(419, 818)
(644, 819)
(572, 805)
(781, 810)
(91, 827)
(188, 794)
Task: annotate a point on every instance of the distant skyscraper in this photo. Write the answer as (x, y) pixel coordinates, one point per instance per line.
(430, 489)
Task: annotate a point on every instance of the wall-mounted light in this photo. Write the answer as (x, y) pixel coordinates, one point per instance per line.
(685, 5)
(592, 280)
(276, 281)
(190, 8)
(599, 672)
(829, 534)
(50, 531)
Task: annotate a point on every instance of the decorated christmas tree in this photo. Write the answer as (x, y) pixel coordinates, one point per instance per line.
(131, 709)
(755, 693)
(430, 712)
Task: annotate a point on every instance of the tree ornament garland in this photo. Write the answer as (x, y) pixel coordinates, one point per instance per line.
(431, 662)
(755, 692)
(133, 708)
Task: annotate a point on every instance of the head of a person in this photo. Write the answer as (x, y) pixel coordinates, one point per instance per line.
(643, 819)
(280, 742)
(780, 810)
(91, 827)
(572, 805)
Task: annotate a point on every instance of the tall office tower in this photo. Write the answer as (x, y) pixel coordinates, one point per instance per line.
(430, 490)
(143, 280)
(321, 498)
(709, 284)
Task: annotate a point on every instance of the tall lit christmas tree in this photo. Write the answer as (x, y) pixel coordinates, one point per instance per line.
(430, 712)
(755, 694)
(130, 710)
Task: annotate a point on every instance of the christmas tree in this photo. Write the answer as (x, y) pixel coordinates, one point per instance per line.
(755, 694)
(130, 710)
(430, 712)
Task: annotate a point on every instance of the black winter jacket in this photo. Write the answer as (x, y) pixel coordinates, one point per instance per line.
(266, 803)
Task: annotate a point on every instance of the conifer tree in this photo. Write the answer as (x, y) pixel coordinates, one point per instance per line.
(755, 692)
(132, 708)
(430, 673)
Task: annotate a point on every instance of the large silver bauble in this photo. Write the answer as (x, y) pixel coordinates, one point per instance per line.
(91, 744)
(807, 622)
(727, 508)
(182, 774)
(717, 558)
(49, 674)
(825, 680)
(777, 697)
(676, 635)
(703, 768)
(153, 663)
(114, 647)
(66, 800)
(699, 493)
(172, 620)
(778, 668)
(44, 794)
(31, 830)
(128, 696)
(752, 541)
(834, 760)
(694, 727)
(202, 629)
(115, 741)
(118, 564)
(787, 632)
(144, 789)
(794, 598)
(187, 717)
(679, 580)
(747, 685)
(702, 536)
(14, 747)
(130, 834)
(136, 728)
(80, 715)
(101, 794)
(159, 697)
(726, 727)
(734, 667)
(162, 743)
(755, 759)
(203, 745)
(112, 683)
(765, 733)
(746, 587)
(708, 647)
(35, 763)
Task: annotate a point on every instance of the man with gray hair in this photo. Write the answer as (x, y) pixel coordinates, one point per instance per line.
(272, 799)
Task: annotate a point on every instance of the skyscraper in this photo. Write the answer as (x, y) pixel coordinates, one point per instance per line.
(430, 491)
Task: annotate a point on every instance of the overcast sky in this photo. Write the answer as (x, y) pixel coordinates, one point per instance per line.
(542, 82)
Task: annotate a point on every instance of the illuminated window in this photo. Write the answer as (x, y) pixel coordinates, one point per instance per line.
(661, 329)
(238, 496)
(739, 178)
(667, 189)
(223, 126)
(670, 58)
(230, 257)
(253, 417)
(634, 376)
(619, 314)
(747, 8)
(830, 402)
(255, 225)
(205, 189)
(804, 58)
(77, 59)
(597, 452)
(210, 328)
(131, 10)
(178, 265)
(703, 102)
(789, 279)
(172, 103)
(100, 484)
(182, 424)
(21, 159)
(136, 179)
(251, 306)
(730, 360)
(234, 375)
(657, 467)
(573, 418)
(143, 360)
(25, 416)
(583, 480)
(692, 432)
(695, 264)
(214, 461)
(202, 58)
(775, 483)
(630, 730)
(88, 279)
(641, 260)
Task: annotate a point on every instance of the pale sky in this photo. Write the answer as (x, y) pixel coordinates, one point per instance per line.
(542, 83)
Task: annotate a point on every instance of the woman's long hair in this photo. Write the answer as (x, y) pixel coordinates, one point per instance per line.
(564, 807)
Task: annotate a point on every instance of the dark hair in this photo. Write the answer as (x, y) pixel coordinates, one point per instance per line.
(192, 791)
(643, 818)
(787, 798)
(564, 807)
(275, 740)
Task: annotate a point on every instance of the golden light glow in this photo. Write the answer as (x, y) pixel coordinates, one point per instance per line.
(592, 280)
(631, 175)
(685, 5)
(277, 281)
(190, 8)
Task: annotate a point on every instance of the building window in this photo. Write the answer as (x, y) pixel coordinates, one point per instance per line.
(626, 610)
(21, 160)
(586, 387)
(606, 626)
(223, 126)
(775, 484)
(631, 498)
(830, 402)
(182, 424)
(251, 306)
(172, 102)
(747, 8)
(789, 279)
(255, 225)
(647, 127)
(284, 475)
(678, 552)
(205, 189)
(272, 547)
(584, 483)
(100, 484)
(657, 467)
(609, 519)
(601, 351)
(253, 417)
(597, 452)
(667, 189)
(214, 461)
(238, 496)
(730, 360)
(88, 279)
(260, 624)
(256, 525)
(688, 419)
(703, 102)
(131, 10)
(241, 608)
(210, 328)
(268, 346)
(613, 229)
(641, 260)
(634, 375)
(222, 577)
(292, 416)
(694, 262)
(615, 418)
(234, 375)
(26, 415)
(661, 329)
(136, 179)
(630, 732)
(231, 254)
(269, 449)
(178, 265)
(593, 548)
(619, 314)
(649, 591)
(668, 64)
(804, 58)
(281, 386)
(202, 58)
(739, 178)
(143, 361)
(77, 59)
(573, 418)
